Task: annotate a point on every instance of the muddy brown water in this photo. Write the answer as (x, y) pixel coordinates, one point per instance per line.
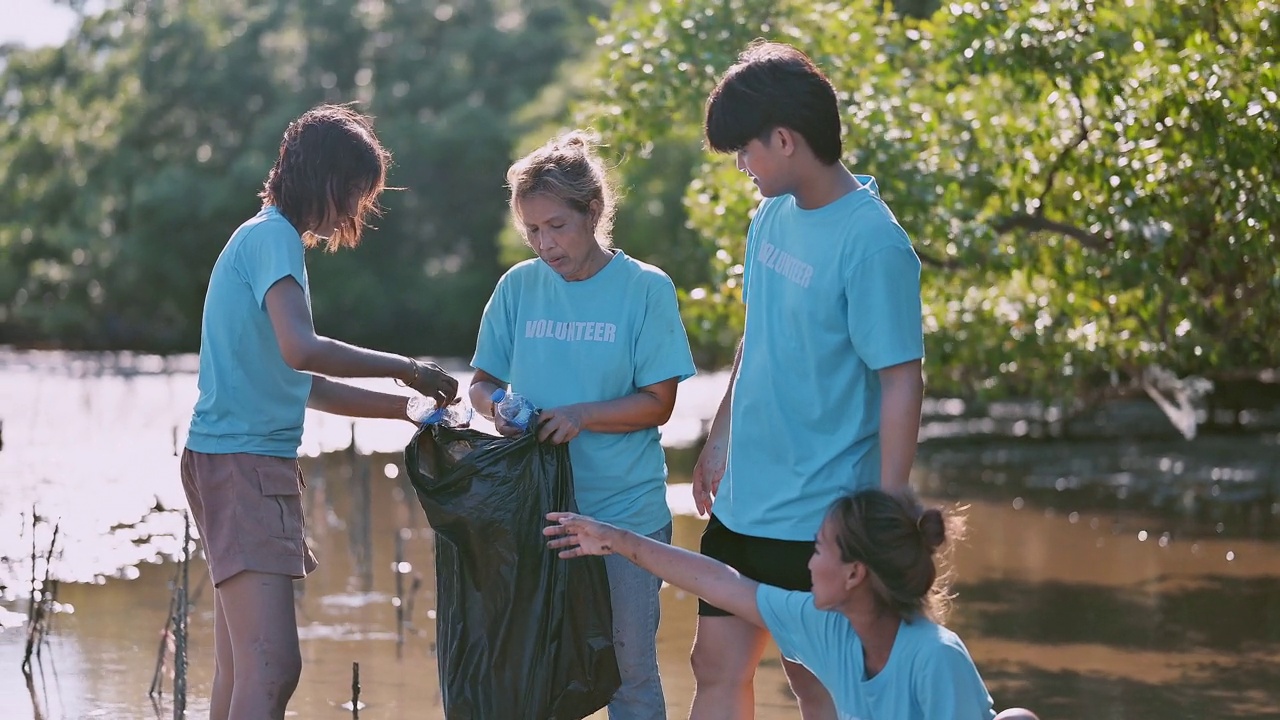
(1112, 578)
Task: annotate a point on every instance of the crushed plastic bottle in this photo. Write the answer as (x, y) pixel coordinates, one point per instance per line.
(423, 411)
(513, 407)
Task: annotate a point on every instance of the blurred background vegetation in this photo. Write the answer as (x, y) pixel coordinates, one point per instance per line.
(1094, 187)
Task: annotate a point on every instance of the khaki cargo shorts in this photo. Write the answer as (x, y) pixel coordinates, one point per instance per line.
(248, 509)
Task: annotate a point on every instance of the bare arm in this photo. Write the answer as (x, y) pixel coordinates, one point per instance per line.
(481, 392)
(901, 393)
(305, 351)
(650, 406)
(718, 433)
(710, 467)
(709, 579)
(342, 399)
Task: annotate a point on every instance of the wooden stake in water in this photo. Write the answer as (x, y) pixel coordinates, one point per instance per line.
(157, 686)
(175, 630)
(42, 607)
(408, 603)
(399, 598)
(180, 628)
(355, 690)
(31, 607)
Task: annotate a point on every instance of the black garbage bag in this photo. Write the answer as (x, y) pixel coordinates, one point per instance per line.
(520, 634)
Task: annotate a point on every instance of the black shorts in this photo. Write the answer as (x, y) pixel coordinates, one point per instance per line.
(781, 563)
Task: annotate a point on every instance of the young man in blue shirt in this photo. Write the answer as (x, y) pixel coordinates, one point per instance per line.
(826, 385)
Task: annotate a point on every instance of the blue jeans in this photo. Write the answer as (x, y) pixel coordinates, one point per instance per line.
(636, 609)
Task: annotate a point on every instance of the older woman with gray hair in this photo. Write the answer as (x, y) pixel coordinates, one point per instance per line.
(594, 338)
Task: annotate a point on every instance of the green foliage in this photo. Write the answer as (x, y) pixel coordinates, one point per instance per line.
(130, 154)
(1094, 187)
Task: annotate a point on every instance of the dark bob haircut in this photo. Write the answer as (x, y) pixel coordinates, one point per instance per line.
(774, 85)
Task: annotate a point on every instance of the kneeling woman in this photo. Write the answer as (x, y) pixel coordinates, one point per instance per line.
(869, 629)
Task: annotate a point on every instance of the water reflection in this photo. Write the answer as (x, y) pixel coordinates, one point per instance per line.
(1127, 579)
(90, 440)
(1069, 617)
(360, 518)
(1216, 486)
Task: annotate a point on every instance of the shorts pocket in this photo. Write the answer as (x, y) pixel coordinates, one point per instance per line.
(282, 504)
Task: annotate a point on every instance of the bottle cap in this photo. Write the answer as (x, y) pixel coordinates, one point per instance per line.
(498, 395)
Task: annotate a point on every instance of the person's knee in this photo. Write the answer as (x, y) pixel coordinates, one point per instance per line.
(291, 668)
(1017, 714)
(714, 665)
(288, 665)
(275, 666)
(805, 685)
(807, 688)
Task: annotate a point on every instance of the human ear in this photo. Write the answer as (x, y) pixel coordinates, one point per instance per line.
(855, 574)
(786, 140)
(594, 209)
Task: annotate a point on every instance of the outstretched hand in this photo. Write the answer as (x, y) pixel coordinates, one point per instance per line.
(579, 535)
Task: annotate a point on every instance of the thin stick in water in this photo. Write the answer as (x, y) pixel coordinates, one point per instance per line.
(43, 606)
(399, 599)
(180, 646)
(355, 690)
(31, 607)
(157, 686)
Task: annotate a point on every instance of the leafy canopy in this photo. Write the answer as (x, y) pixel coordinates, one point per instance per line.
(1094, 187)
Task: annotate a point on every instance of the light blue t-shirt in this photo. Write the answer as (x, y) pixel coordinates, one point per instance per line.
(558, 343)
(832, 296)
(250, 400)
(929, 674)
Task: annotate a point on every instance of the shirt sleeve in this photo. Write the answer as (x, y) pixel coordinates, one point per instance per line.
(802, 632)
(662, 345)
(883, 292)
(495, 341)
(269, 254)
(947, 685)
(749, 253)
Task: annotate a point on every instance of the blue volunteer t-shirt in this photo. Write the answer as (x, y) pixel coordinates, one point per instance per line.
(929, 674)
(250, 400)
(558, 343)
(832, 296)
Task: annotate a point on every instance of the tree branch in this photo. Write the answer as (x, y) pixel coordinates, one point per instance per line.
(1058, 162)
(1036, 223)
(932, 261)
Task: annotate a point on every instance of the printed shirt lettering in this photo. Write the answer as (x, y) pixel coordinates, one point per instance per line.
(571, 330)
(785, 264)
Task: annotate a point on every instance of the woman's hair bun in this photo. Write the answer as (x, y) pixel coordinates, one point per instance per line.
(933, 528)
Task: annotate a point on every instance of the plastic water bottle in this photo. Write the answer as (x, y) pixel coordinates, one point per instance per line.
(423, 411)
(513, 407)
